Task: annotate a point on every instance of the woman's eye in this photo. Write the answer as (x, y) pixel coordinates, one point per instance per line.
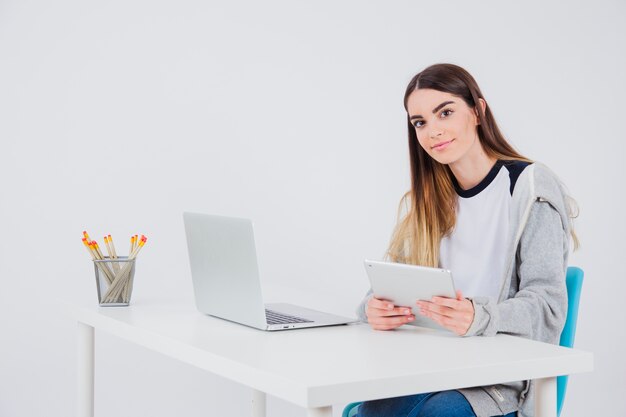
(416, 124)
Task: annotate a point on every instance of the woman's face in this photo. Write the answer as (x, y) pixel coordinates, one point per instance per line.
(445, 126)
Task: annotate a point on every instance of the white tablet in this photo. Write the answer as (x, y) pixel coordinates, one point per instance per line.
(404, 284)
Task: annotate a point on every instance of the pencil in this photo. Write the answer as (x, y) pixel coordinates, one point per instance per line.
(107, 242)
(128, 284)
(116, 265)
(93, 248)
(112, 247)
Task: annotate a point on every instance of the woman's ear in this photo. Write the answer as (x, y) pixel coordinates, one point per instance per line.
(483, 105)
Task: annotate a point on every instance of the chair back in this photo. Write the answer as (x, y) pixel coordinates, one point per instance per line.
(574, 282)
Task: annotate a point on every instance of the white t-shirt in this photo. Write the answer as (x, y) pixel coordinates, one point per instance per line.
(475, 250)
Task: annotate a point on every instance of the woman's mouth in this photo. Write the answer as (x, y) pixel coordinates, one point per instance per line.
(441, 146)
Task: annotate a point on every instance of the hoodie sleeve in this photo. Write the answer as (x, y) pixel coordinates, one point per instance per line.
(539, 308)
(360, 311)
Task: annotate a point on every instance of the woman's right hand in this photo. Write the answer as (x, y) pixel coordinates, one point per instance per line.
(383, 315)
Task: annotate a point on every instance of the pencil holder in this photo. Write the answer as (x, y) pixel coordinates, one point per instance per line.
(114, 280)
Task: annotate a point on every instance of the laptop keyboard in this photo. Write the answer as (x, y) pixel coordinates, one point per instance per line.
(274, 317)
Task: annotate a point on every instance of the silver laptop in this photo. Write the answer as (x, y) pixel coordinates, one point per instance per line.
(226, 280)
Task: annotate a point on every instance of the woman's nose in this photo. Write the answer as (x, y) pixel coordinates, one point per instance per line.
(435, 132)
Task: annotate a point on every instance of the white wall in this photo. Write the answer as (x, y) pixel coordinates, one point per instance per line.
(117, 116)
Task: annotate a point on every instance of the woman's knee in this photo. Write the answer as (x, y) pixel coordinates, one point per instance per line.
(391, 407)
(446, 404)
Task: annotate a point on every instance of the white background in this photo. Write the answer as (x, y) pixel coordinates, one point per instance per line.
(117, 116)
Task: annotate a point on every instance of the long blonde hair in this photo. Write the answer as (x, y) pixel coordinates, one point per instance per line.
(430, 205)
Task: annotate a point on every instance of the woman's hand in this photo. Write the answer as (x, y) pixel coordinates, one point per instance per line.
(453, 314)
(383, 315)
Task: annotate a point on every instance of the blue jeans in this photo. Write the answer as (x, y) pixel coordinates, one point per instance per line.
(435, 404)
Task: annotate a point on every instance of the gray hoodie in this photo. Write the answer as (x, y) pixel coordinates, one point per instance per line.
(533, 295)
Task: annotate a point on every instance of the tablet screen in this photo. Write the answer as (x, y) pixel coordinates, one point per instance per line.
(404, 284)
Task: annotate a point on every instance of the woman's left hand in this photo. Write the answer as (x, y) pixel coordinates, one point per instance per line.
(453, 314)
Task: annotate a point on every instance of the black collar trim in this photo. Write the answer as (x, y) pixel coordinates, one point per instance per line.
(481, 185)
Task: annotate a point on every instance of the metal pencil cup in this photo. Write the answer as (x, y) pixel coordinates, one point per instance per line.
(114, 280)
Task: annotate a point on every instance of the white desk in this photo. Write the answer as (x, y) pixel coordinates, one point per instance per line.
(315, 368)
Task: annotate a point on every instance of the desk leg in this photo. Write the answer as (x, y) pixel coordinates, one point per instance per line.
(545, 397)
(258, 403)
(320, 412)
(85, 370)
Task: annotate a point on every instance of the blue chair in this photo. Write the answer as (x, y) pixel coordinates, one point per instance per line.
(574, 282)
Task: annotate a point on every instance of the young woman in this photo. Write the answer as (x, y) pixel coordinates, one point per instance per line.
(499, 221)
